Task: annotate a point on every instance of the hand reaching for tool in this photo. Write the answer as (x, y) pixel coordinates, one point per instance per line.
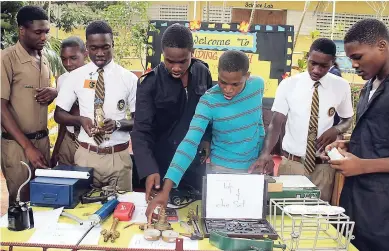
(109, 126)
(152, 181)
(161, 200)
(88, 125)
(263, 165)
(326, 138)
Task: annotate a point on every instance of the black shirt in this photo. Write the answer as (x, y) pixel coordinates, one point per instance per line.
(365, 197)
(370, 137)
(164, 110)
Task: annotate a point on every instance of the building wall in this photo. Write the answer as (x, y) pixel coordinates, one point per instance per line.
(317, 17)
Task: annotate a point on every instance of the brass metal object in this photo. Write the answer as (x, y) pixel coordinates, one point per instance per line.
(193, 220)
(112, 234)
(152, 234)
(169, 236)
(100, 117)
(162, 223)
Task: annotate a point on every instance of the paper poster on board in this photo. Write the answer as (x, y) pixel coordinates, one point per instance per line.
(269, 48)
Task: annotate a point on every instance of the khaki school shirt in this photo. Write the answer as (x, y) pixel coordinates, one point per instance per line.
(20, 76)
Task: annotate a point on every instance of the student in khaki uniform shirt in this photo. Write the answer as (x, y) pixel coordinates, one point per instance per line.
(73, 53)
(25, 95)
(104, 89)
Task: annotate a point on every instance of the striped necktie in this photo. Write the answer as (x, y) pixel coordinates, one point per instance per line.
(99, 101)
(310, 154)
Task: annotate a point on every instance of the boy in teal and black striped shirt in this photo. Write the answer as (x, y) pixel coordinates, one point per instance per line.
(234, 108)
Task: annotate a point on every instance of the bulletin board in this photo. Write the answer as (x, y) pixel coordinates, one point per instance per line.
(269, 48)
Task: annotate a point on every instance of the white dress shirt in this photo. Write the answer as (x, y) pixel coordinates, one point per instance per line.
(294, 97)
(120, 88)
(60, 81)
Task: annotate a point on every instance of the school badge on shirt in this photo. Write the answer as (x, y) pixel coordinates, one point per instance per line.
(121, 104)
(331, 111)
(90, 84)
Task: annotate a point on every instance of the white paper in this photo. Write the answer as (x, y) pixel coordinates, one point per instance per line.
(139, 199)
(235, 196)
(139, 215)
(293, 181)
(4, 221)
(138, 241)
(41, 218)
(62, 174)
(65, 234)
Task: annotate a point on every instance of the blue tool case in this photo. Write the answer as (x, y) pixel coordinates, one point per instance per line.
(60, 192)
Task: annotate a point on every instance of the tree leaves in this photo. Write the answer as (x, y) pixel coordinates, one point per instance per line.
(130, 23)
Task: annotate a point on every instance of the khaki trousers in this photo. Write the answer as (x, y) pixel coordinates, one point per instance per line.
(108, 168)
(14, 172)
(323, 176)
(67, 151)
(212, 168)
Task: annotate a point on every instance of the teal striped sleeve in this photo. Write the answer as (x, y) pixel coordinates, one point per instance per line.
(187, 149)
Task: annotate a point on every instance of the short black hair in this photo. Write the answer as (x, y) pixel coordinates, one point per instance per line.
(73, 42)
(234, 61)
(28, 14)
(367, 31)
(177, 36)
(98, 27)
(324, 45)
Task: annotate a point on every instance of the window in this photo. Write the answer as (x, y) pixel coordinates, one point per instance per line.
(343, 22)
(216, 14)
(168, 12)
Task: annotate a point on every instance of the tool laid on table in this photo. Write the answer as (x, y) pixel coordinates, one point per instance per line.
(193, 220)
(112, 234)
(223, 242)
(124, 211)
(159, 228)
(73, 217)
(104, 194)
(20, 215)
(241, 217)
(99, 216)
(61, 186)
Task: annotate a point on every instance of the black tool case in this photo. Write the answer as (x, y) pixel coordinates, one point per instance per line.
(241, 227)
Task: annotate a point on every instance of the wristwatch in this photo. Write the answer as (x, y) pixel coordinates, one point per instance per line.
(118, 125)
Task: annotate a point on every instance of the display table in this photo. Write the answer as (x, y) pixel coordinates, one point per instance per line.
(123, 241)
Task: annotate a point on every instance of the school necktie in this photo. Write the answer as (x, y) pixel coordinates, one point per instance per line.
(310, 154)
(76, 133)
(99, 101)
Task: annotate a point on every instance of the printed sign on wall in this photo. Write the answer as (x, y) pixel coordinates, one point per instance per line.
(268, 47)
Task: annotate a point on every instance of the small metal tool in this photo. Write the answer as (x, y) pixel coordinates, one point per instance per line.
(194, 221)
(99, 216)
(112, 234)
(73, 217)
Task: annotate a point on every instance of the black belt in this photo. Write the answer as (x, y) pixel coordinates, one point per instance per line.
(35, 135)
